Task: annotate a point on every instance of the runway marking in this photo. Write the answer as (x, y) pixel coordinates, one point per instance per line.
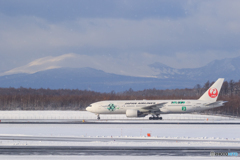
(86, 121)
(116, 139)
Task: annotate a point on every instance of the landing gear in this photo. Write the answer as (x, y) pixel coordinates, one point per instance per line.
(155, 118)
(98, 117)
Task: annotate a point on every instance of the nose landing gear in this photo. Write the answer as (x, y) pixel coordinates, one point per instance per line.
(98, 117)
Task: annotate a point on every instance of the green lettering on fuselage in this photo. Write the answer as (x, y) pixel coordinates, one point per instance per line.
(184, 108)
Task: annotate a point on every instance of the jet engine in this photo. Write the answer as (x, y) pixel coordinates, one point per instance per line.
(134, 113)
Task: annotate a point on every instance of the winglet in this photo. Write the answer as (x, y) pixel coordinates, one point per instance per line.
(212, 93)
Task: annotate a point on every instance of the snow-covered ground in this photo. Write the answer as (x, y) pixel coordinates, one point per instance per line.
(119, 142)
(87, 115)
(118, 135)
(174, 130)
(199, 131)
(168, 135)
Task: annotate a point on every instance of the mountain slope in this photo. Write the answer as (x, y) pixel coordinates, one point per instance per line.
(226, 68)
(87, 78)
(97, 80)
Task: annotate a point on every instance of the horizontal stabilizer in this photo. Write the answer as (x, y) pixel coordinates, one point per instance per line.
(215, 103)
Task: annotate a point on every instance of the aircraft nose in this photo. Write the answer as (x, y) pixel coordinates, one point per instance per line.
(88, 109)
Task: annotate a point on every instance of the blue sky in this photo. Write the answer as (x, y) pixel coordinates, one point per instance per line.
(117, 36)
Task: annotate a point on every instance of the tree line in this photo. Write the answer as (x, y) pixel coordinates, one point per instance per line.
(66, 99)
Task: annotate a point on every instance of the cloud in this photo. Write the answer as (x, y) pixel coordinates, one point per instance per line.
(208, 30)
(61, 10)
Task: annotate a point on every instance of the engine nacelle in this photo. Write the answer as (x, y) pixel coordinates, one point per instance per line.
(134, 113)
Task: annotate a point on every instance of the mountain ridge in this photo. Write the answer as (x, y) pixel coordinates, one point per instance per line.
(98, 80)
(226, 68)
(84, 79)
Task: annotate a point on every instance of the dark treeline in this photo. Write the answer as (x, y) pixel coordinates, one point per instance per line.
(65, 99)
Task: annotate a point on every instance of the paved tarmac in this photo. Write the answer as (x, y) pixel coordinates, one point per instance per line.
(116, 151)
(115, 121)
(109, 139)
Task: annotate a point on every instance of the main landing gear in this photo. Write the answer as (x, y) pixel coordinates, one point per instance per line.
(98, 117)
(155, 118)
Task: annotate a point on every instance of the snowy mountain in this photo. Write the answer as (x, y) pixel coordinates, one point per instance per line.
(226, 68)
(97, 80)
(86, 79)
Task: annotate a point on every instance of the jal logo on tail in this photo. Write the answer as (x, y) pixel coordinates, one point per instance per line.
(213, 92)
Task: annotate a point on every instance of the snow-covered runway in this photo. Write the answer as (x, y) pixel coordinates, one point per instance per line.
(94, 130)
(165, 139)
(121, 135)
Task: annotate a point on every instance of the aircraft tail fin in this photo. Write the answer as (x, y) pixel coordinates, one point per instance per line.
(212, 93)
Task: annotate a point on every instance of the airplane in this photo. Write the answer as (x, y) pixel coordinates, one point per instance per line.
(142, 108)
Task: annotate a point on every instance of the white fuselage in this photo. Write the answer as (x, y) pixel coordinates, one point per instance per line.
(141, 108)
(170, 106)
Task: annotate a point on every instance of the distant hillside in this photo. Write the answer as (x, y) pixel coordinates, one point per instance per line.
(100, 81)
(87, 79)
(226, 68)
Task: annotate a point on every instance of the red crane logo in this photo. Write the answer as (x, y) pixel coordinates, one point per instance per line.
(213, 92)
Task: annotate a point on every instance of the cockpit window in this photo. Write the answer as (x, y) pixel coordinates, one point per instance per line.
(90, 106)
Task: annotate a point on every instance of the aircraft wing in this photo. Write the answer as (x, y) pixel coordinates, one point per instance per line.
(155, 106)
